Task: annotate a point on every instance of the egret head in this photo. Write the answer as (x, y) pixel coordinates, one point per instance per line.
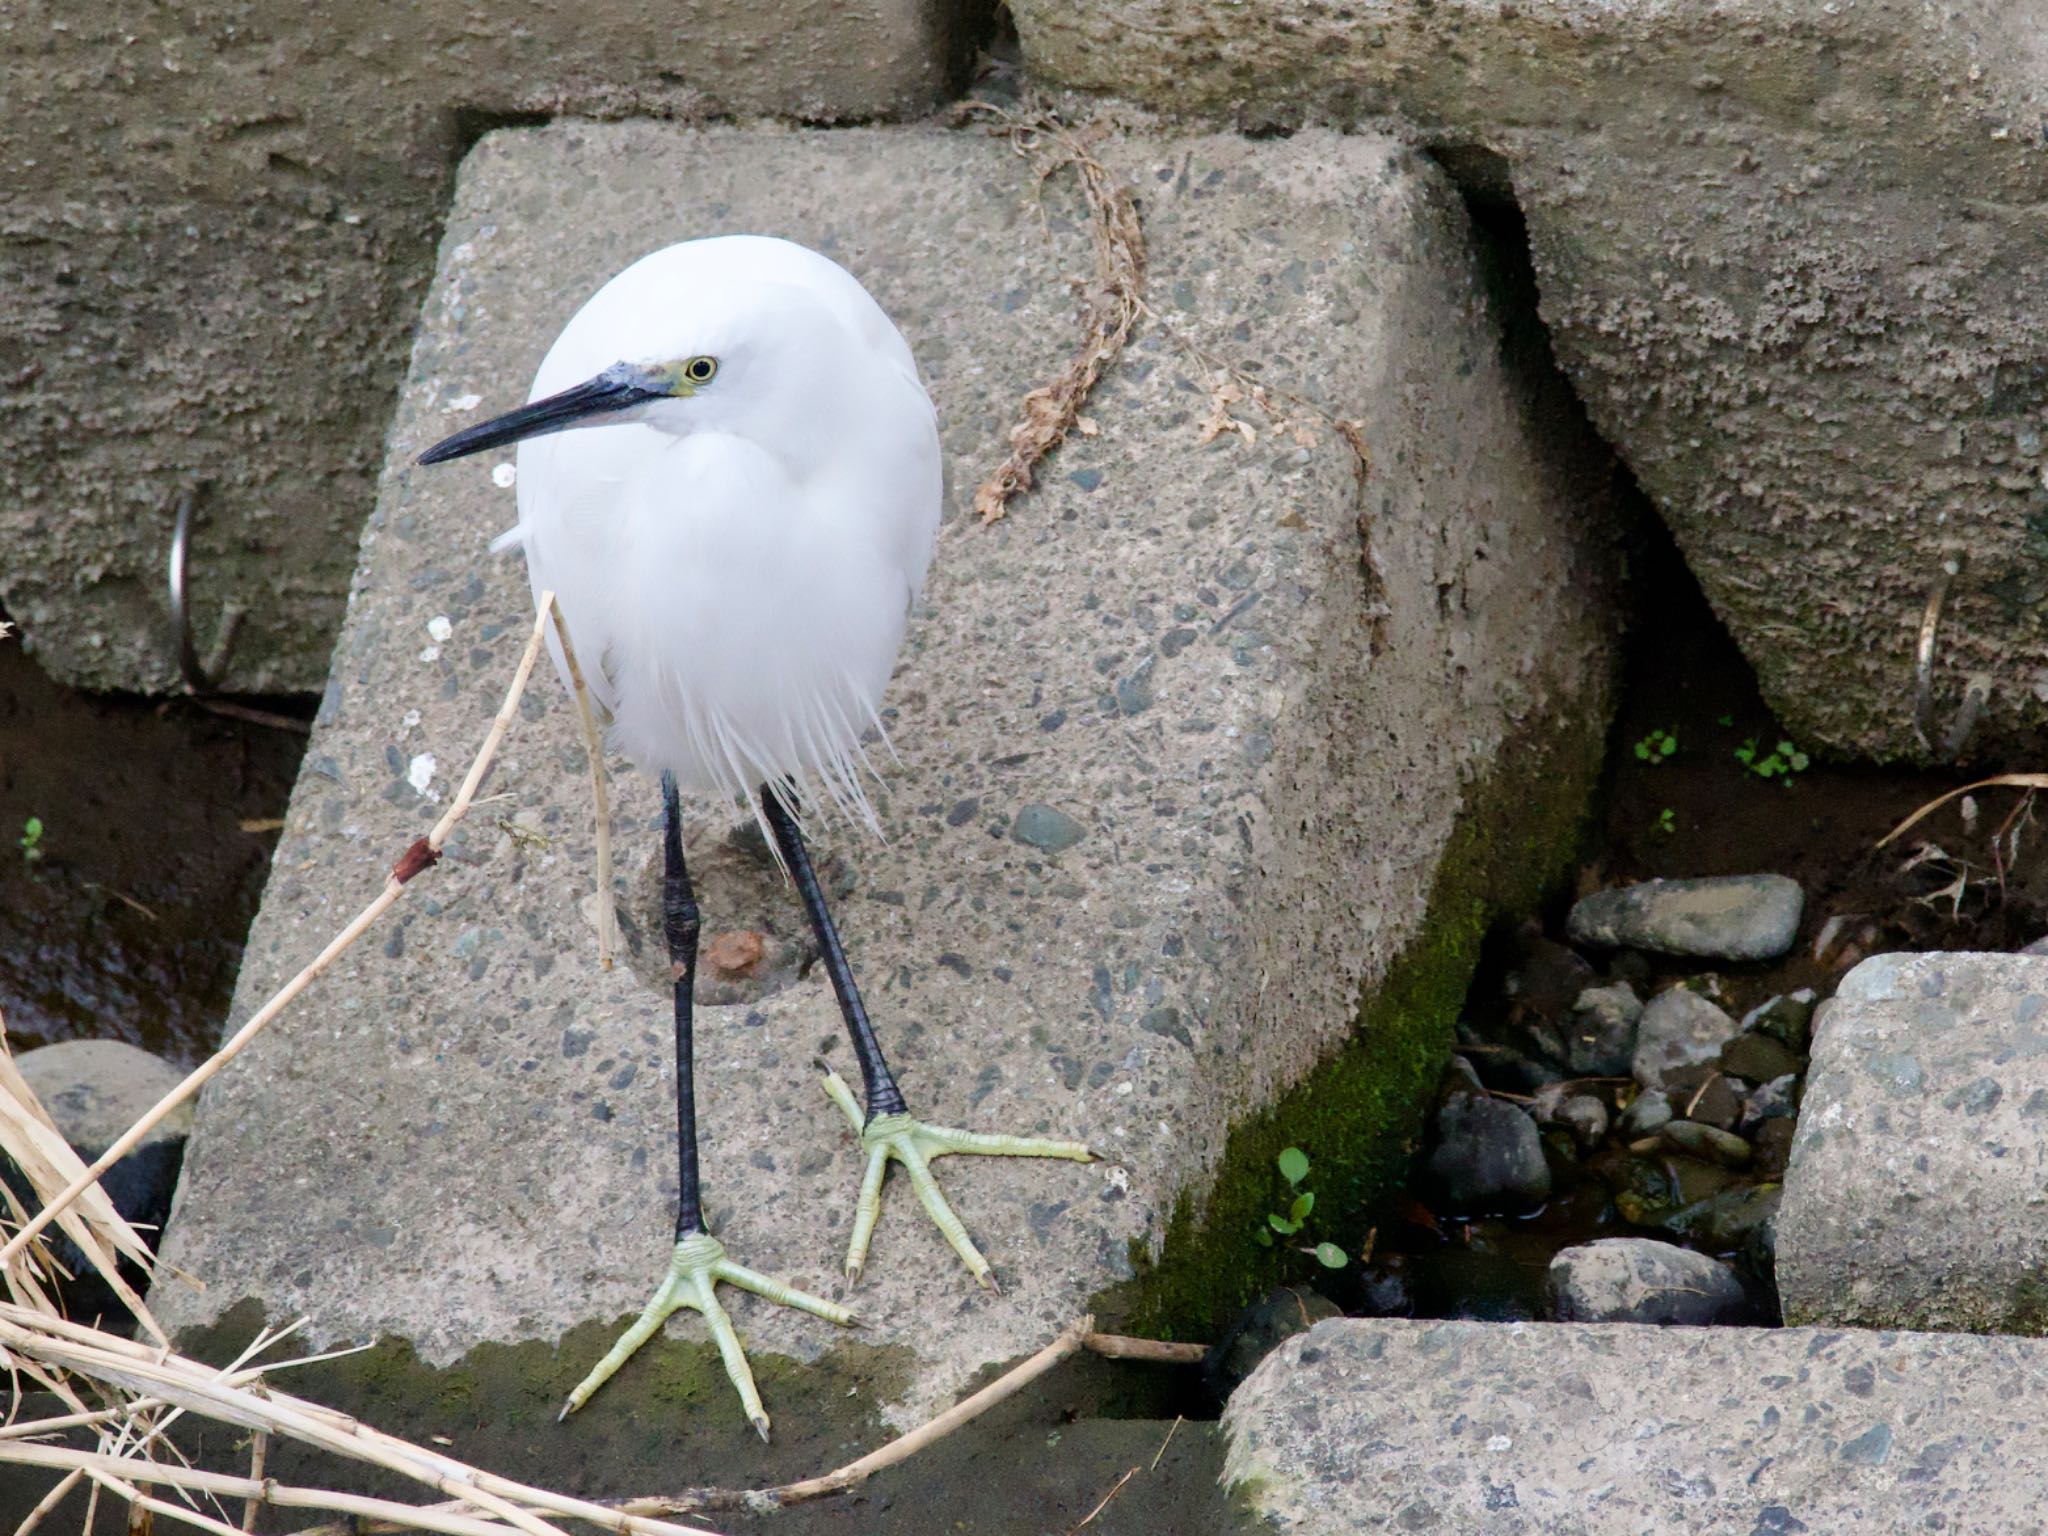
(623, 392)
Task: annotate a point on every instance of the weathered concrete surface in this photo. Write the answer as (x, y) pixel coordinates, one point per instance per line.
(465, 1133)
(1917, 1193)
(1492, 1429)
(1789, 253)
(215, 227)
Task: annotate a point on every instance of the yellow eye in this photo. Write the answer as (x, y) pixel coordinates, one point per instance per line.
(699, 370)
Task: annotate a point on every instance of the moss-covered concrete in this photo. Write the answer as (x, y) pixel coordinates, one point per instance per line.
(1359, 1115)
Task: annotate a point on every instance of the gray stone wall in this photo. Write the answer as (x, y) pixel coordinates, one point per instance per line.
(216, 222)
(1790, 257)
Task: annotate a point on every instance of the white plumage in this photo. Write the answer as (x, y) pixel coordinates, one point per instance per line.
(736, 566)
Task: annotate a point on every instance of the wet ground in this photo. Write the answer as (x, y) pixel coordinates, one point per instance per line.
(126, 915)
(1691, 802)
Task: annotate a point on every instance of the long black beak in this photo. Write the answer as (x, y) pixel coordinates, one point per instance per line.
(619, 386)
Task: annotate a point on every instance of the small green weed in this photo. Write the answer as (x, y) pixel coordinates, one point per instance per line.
(32, 839)
(1667, 820)
(1293, 1164)
(1781, 762)
(1656, 746)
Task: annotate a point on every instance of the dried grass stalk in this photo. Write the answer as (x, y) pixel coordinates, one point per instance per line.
(1110, 307)
(420, 857)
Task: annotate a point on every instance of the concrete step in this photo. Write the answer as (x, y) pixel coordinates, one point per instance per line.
(1488, 1429)
(1917, 1192)
(1180, 765)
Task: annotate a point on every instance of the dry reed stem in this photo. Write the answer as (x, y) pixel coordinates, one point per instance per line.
(1996, 781)
(1110, 307)
(420, 857)
(763, 1500)
(593, 746)
(1089, 1518)
(188, 1385)
(30, 1137)
(48, 1502)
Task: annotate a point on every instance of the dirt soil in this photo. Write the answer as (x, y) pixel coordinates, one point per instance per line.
(158, 822)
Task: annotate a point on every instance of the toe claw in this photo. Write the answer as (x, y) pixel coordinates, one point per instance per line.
(761, 1426)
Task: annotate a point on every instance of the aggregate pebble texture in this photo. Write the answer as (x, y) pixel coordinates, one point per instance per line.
(216, 224)
(1917, 1192)
(1788, 253)
(1161, 816)
(1498, 1429)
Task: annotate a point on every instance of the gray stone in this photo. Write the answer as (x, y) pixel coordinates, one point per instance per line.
(1647, 1112)
(1048, 830)
(1640, 1280)
(446, 1143)
(1725, 1221)
(1488, 1157)
(1600, 1037)
(1743, 220)
(1728, 917)
(1777, 1099)
(1502, 1430)
(1916, 1184)
(1586, 1118)
(1679, 1029)
(1787, 1018)
(275, 182)
(95, 1089)
(1757, 1058)
(1259, 1330)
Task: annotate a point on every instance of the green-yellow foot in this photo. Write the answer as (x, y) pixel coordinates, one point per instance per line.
(914, 1144)
(693, 1275)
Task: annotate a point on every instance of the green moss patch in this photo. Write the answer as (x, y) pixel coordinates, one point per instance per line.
(1359, 1115)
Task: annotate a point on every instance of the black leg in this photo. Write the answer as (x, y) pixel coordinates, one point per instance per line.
(679, 926)
(883, 1096)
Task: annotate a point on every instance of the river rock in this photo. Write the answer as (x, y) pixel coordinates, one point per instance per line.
(95, 1089)
(1679, 1029)
(1732, 917)
(1787, 1019)
(1600, 1036)
(464, 1132)
(1757, 1058)
(1708, 1142)
(1258, 1330)
(1647, 1112)
(1488, 1158)
(1640, 1280)
(1770, 1101)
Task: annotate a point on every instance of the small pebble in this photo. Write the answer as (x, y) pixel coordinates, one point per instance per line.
(1758, 1057)
(1648, 1114)
(1706, 1141)
(1679, 1029)
(1774, 1100)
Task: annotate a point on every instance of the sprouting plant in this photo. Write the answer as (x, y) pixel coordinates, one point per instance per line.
(1293, 1163)
(1781, 762)
(32, 839)
(1667, 820)
(1656, 746)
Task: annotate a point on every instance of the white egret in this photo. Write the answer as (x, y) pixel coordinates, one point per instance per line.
(735, 553)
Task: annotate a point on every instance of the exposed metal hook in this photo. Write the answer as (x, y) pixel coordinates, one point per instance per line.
(198, 678)
(1923, 650)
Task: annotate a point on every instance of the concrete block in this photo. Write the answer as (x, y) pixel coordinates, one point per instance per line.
(213, 241)
(1788, 255)
(1129, 915)
(1918, 1184)
(1506, 1429)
